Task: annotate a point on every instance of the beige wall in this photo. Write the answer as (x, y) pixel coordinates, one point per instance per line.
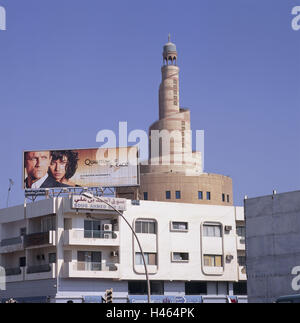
(156, 184)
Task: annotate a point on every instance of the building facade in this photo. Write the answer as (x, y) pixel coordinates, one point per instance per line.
(272, 244)
(53, 252)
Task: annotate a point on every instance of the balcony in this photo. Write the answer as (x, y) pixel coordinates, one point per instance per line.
(41, 239)
(11, 245)
(91, 238)
(46, 271)
(15, 274)
(91, 270)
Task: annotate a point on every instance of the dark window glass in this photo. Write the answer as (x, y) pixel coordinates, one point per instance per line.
(87, 225)
(138, 227)
(140, 288)
(152, 227)
(223, 197)
(22, 231)
(52, 258)
(178, 195)
(200, 195)
(228, 199)
(144, 227)
(242, 260)
(145, 196)
(240, 288)
(22, 262)
(208, 196)
(196, 288)
(168, 195)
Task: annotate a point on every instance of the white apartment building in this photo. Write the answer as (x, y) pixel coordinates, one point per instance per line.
(53, 252)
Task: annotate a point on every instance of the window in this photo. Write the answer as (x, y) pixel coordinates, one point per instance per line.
(196, 288)
(23, 232)
(228, 199)
(52, 258)
(22, 261)
(145, 226)
(48, 223)
(146, 196)
(212, 261)
(178, 195)
(208, 196)
(92, 229)
(242, 261)
(241, 231)
(240, 288)
(212, 230)
(179, 226)
(140, 287)
(168, 195)
(180, 256)
(89, 260)
(200, 195)
(223, 197)
(150, 259)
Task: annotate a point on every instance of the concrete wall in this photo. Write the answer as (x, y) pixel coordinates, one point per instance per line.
(272, 245)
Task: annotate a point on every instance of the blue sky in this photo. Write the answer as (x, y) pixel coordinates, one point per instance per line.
(71, 68)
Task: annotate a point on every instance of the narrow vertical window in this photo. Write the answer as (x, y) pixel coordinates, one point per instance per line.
(168, 195)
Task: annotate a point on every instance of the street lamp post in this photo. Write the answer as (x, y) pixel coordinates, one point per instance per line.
(88, 195)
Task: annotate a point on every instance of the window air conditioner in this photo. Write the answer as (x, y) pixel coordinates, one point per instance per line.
(229, 257)
(107, 227)
(114, 253)
(228, 227)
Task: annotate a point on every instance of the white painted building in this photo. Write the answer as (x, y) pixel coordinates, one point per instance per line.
(53, 251)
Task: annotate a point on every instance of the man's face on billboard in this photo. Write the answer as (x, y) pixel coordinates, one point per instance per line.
(37, 164)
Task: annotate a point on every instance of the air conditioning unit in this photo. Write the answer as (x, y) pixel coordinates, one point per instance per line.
(229, 257)
(107, 236)
(228, 228)
(114, 254)
(107, 227)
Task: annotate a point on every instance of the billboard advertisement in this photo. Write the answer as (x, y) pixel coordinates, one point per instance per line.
(96, 167)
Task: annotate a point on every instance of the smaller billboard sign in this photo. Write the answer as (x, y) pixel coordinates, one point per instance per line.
(82, 202)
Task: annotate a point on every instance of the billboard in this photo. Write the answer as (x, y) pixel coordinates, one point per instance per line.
(96, 167)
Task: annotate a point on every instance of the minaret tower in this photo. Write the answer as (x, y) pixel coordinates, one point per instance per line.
(169, 88)
(174, 172)
(174, 120)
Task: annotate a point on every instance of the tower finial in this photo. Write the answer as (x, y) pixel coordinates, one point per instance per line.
(169, 38)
